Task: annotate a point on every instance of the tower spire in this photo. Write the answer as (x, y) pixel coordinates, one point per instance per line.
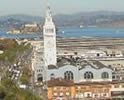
(48, 12)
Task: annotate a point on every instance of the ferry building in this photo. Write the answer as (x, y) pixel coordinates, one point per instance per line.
(69, 74)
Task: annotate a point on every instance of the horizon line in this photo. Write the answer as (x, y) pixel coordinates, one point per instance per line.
(61, 13)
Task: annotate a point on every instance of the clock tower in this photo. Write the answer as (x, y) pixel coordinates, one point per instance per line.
(49, 35)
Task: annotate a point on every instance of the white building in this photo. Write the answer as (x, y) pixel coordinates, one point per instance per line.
(95, 74)
(49, 35)
(60, 72)
(31, 25)
(78, 74)
(93, 54)
(114, 53)
(37, 61)
(44, 52)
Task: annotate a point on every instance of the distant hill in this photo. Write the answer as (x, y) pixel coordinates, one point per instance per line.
(16, 21)
(98, 18)
(116, 24)
(25, 18)
(89, 18)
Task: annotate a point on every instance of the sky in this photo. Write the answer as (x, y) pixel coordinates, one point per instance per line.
(37, 7)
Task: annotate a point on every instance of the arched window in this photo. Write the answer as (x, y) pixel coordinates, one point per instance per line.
(105, 75)
(52, 76)
(88, 75)
(68, 75)
(40, 77)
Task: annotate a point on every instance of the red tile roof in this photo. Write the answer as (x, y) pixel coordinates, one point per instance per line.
(60, 82)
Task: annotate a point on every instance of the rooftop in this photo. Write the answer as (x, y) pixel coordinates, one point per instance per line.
(77, 62)
(60, 82)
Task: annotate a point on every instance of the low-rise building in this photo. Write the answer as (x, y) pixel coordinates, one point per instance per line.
(94, 90)
(80, 73)
(31, 25)
(93, 54)
(67, 90)
(117, 90)
(60, 89)
(14, 31)
(114, 53)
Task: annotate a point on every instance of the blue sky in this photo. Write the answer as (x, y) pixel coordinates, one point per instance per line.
(37, 7)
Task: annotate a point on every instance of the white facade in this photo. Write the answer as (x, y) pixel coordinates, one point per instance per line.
(37, 61)
(93, 53)
(87, 73)
(44, 55)
(97, 74)
(119, 88)
(59, 73)
(114, 53)
(31, 25)
(49, 33)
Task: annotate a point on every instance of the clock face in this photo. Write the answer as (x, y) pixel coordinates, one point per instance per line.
(49, 30)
